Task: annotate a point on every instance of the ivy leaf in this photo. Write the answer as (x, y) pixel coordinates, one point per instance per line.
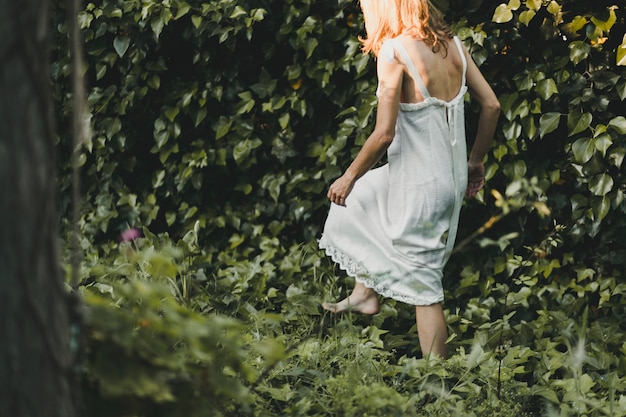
(548, 122)
(238, 11)
(546, 88)
(171, 113)
(583, 149)
(120, 44)
(243, 149)
(512, 130)
(578, 23)
(554, 8)
(607, 24)
(283, 120)
(223, 127)
(600, 206)
(514, 4)
(196, 21)
(578, 122)
(526, 16)
(502, 14)
(112, 127)
(601, 184)
(603, 143)
(157, 25)
(200, 116)
(530, 128)
(183, 9)
(534, 4)
(310, 46)
(621, 86)
(618, 124)
(616, 157)
(620, 56)
(578, 50)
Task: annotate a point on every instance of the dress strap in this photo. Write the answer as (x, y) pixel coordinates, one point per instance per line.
(412, 68)
(460, 48)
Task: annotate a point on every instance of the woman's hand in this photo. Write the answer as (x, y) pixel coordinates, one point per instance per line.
(475, 178)
(340, 189)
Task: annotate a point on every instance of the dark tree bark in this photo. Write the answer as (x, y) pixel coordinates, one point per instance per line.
(35, 356)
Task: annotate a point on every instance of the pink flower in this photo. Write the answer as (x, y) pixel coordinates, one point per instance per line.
(130, 234)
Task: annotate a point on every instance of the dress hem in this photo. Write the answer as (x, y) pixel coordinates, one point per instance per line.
(356, 270)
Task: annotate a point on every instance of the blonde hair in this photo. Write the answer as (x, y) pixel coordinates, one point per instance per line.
(386, 19)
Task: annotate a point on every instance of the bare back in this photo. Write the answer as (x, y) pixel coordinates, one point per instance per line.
(442, 73)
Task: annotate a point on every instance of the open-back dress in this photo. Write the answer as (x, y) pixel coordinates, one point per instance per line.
(398, 227)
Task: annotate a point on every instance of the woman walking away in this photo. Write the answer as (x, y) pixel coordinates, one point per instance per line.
(392, 228)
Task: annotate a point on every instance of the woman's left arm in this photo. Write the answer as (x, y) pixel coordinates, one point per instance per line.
(390, 84)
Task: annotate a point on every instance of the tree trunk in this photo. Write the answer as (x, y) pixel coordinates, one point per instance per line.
(35, 357)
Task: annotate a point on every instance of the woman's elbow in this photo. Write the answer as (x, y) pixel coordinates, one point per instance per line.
(492, 106)
(385, 138)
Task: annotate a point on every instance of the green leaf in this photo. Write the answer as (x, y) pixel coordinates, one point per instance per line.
(578, 23)
(223, 127)
(507, 102)
(157, 25)
(113, 126)
(200, 116)
(238, 11)
(607, 24)
(243, 149)
(183, 9)
(120, 44)
(526, 16)
(310, 46)
(530, 128)
(583, 149)
(616, 156)
(246, 104)
(546, 88)
(520, 169)
(171, 113)
(502, 14)
(600, 207)
(601, 184)
(547, 394)
(161, 138)
(170, 217)
(554, 8)
(618, 124)
(514, 4)
(620, 88)
(603, 143)
(534, 4)
(196, 21)
(620, 56)
(154, 82)
(578, 51)
(512, 130)
(283, 120)
(548, 122)
(578, 122)
(117, 13)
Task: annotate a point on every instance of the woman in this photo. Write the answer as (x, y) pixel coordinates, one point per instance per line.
(393, 228)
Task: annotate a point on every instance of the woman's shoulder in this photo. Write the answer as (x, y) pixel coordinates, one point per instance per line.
(387, 50)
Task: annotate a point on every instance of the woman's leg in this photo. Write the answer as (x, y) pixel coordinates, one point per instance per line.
(362, 300)
(431, 329)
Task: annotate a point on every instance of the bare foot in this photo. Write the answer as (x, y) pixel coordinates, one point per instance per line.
(362, 300)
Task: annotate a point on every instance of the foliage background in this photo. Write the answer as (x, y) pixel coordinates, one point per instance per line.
(217, 127)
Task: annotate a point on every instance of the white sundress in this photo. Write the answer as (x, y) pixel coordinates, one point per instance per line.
(399, 225)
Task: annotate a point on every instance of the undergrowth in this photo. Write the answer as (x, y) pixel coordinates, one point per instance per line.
(164, 336)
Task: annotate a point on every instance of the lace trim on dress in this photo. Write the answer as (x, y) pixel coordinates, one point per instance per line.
(357, 271)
